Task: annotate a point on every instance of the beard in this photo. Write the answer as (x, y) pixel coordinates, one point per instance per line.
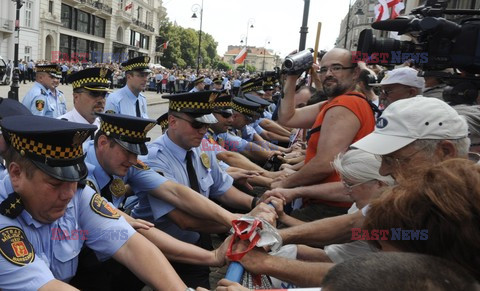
(334, 90)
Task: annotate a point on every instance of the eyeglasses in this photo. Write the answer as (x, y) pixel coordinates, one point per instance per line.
(391, 160)
(350, 187)
(193, 123)
(224, 114)
(334, 69)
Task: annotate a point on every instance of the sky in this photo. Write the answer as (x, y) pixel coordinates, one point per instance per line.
(274, 21)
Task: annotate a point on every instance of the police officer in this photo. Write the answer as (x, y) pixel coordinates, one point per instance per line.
(177, 155)
(45, 219)
(217, 83)
(57, 94)
(90, 87)
(198, 85)
(162, 121)
(129, 100)
(8, 107)
(38, 99)
(275, 132)
(244, 113)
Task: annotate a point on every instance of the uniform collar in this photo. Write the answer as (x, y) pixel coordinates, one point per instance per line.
(41, 86)
(101, 177)
(130, 94)
(176, 150)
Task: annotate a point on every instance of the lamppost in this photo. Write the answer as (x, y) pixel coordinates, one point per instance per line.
(359, 12)
(250, 24)
(267, 41)
(13, 93)
(195, 8)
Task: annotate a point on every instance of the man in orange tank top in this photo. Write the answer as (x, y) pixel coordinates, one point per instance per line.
(335, 124)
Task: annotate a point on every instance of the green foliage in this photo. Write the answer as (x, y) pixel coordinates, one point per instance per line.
(182, 49)
(221, 65)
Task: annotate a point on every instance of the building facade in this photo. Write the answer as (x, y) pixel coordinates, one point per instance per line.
(82, 30)
(261, 58)
(28, 48)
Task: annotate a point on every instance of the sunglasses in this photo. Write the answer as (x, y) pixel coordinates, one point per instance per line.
(193, 123)
(224, 114)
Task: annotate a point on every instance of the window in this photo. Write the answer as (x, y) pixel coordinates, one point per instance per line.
(83, 19)
(99, 29)
(50, 6)
(28, 13)
(66, 16)
(139, 13)
(148, 17)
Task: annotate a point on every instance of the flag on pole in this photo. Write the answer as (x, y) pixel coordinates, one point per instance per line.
(242, 55)
(129, 6)
(165, 44)
(382, 9)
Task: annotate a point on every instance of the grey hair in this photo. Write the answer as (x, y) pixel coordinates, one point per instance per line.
(359, 166)
(471, 113)
(429, 145)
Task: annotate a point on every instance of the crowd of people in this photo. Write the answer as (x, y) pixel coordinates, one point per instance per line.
(366, 181)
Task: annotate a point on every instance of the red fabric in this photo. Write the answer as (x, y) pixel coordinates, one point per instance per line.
(239, 226)
(364, 113)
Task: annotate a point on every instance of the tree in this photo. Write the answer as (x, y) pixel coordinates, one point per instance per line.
(221, 65)
(183, 46)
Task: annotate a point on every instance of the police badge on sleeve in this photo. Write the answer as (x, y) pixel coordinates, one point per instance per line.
(15, 247)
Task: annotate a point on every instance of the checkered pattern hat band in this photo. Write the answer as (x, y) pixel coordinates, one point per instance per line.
(163, 124)
(225, 104)
(243, 110)
(88, 81)
(52, 155)
(123, 134)
(186, 105)
(135, 66)
(46, 69)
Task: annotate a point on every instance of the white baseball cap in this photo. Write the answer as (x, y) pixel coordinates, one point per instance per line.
(407, 120)
(404, 76)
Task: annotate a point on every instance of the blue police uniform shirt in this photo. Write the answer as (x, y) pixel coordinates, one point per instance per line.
(256, 126)
(168, 158)
(123, 102)
(88, 219)
(248, 133)
(40, 101)
(233, 142)
(210, 142)
(59, 99)
(139, 179)
(267, 114)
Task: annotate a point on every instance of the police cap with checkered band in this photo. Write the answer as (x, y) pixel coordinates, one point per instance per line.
(128, 131)
(139, 64)
(198, 105)
(53, 145)
(93, 79)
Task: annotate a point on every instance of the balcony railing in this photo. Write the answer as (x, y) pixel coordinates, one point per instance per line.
(97, 4)
(143, 25)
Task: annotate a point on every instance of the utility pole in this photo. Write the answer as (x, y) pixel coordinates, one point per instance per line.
(304, 28)
(13, 93)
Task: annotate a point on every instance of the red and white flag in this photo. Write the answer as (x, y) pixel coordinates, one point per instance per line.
(242, 55)
(165, 44)
(382, 9)
(129, 6)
